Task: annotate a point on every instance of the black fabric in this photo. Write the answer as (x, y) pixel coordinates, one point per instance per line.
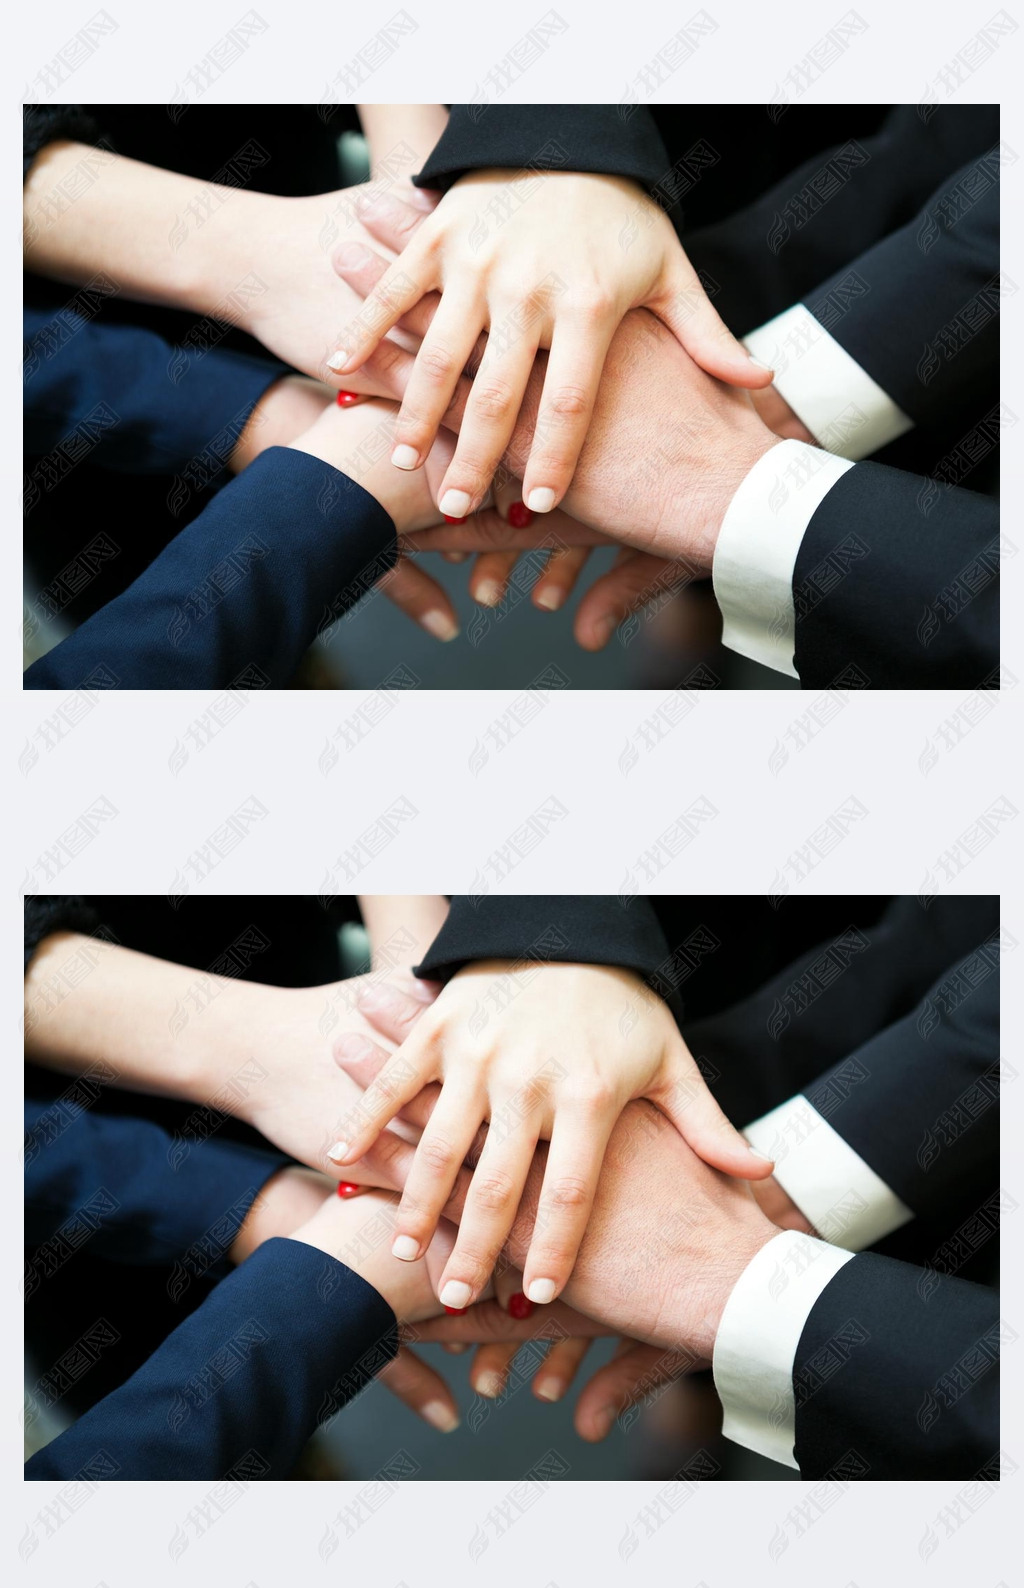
(45, 914)
(241, 1384)
(898, 576)
(614, 140)
(43, 124)
(896, 1380)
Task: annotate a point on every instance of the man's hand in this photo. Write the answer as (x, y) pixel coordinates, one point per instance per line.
(667, 446)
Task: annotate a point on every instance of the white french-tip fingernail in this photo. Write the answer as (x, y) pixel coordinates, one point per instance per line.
(541, 1291)
(406, 1248)
(440, 625)
(549, 1389)
(339, 1152)
(551, 600)
(455, 504)
(488, 594)
(405, 457)
(489, 1385)
(455, 1294)
(337, 361)
(542, 500)
(759, 363)
(440, 1416)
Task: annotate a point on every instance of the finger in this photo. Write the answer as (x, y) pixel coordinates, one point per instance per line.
(686, 1098)
(638, 577)
(440, 361)
(488, 1321)
(421, 598)
(578, 349)
(491, 412)
(696, 324)
(559, 1369)
(439, 1157)
(422, 1389)
(391, 220)
(489, 1213)
(362, 1060)
(575, 1155)
(361, 268)
(488, 582)
(399, 1079)
(399, 289)
(629, 1377)
(488, 531)
(558, 577)
(488, 1374)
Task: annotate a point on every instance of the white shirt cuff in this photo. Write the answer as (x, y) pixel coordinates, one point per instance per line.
(835, 1190)
(844, 409)
(757, 549)
(757, 1339)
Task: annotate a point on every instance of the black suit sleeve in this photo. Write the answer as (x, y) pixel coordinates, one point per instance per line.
(608, 139)
(238, 1387)
(898, 575)
(281, 552)
(597, 929)
(893, 1380)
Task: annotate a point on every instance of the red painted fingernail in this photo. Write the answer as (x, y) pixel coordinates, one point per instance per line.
(345, 399)
(452, 520)
(519, 515)
(519, 1306)
(348, 1188)
(456, 1311)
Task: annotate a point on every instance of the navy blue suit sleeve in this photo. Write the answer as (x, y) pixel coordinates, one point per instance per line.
(142, 405)
(241, 1384)
(138, 1192)
(612, 140)
(278, 555)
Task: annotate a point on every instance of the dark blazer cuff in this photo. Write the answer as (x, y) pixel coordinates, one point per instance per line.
(609, 140)
(46, 915)
(594, 929)
(43, 124)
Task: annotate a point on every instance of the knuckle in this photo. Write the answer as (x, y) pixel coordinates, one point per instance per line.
(593, 304)
(492, 399)
(493, 1191)
(438, 1154)
(474, 1261)
(568, 402)
(568, 1192)
(436, 363)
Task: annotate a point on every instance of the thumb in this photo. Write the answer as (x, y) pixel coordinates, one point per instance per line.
(683, 1096)
(698, 327)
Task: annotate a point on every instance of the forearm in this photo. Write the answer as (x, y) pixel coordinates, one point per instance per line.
(126, 220)
(400, 137)
(401, 926)
(87, 1001)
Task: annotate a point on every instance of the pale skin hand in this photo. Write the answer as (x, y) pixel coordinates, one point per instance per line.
(528, 257)
(569, 1046)
(401, 924)
(667, 446)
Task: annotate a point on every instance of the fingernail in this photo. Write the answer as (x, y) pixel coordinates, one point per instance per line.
(455, 1294)
(405, 457)
(542, 500)
(455, 1311)
(519, 515)
(405, 1248)
(440, 625)
(455, 504)
(345, 399)
(337, 360)
(519, 1306)
(454, 556)
(489, 1385)
(352, 1046)
(603, 1420)
(541, 1291)
(440, 1416)
(351, 255)
(488, 594)
(339, 1152)
(759, 363)
(454, 1347)
(450, 520)
(551, 598)
(549, 1389)
(348, 1188)
(377, 997)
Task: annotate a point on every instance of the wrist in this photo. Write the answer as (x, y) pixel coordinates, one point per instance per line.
(719, 482)
(696, 1311)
